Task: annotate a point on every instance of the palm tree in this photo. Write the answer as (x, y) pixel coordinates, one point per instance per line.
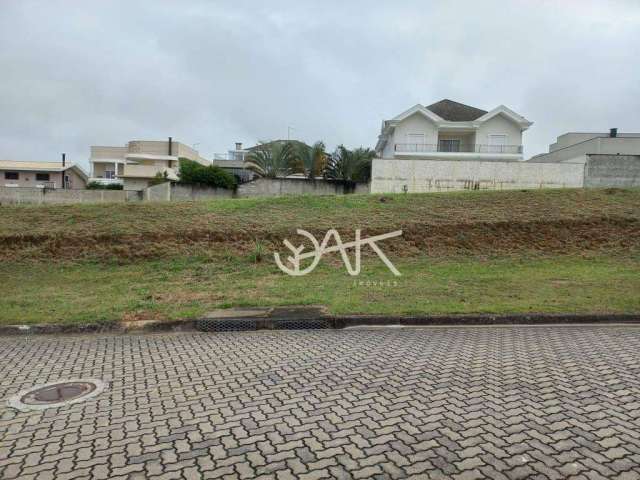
(364, 157)
(271, 160)
(311, 158)
(349, 165)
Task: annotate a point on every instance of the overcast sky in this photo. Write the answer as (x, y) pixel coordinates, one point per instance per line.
(90, 72)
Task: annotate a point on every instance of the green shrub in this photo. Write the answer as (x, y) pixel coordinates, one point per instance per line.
(102, 186)
(195, 173)
(258, 252)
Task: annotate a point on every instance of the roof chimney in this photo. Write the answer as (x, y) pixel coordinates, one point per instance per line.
(64, 159)
(170, 146)
(613, 132)
(238, 145)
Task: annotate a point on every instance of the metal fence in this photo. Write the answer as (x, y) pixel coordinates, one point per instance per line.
(450, 147)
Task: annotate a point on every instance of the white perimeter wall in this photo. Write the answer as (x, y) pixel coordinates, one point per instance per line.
(390, 175)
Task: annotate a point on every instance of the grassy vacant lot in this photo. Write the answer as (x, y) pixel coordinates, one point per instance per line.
(494, 252)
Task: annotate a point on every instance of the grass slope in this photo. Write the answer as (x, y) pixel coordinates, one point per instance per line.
(491, 252)
(435, 224)
(186, 288)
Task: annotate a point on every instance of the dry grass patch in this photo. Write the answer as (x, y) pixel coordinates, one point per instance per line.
(433, 224)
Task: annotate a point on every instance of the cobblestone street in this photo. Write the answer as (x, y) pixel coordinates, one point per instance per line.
(461, 403)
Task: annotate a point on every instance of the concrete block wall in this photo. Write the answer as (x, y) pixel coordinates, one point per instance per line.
(612, 171)
(10, 195)
(157, 193)
(392, 175)
(388, 176)
(85, 196)
(275, 187)
(194, 192)
(168, 191)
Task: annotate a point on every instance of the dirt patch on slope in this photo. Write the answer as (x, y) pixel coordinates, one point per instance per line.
(487, 238)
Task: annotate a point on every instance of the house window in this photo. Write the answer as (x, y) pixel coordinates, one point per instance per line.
(42, 177)
(416, 142)
(449, 146)
(110, 174)
(497, 143)
(415, 138)
(11, 175)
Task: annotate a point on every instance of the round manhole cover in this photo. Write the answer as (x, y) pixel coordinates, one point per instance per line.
(56, 394)
(60, 392)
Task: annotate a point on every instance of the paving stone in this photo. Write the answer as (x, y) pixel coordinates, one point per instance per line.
(468, 403)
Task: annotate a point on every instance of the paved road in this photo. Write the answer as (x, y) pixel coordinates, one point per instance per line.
(510, 402)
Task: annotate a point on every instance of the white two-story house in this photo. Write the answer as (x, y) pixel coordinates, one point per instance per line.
(451, 146)
(448, 130)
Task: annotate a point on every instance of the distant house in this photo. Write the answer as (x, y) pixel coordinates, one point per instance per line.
(42, 175)
(234, 161)
(137, 163)
(448, 130)
(574, 147)
(608, 159)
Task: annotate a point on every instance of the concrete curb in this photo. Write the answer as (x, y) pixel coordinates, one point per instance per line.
(122, 328)
(315, 317)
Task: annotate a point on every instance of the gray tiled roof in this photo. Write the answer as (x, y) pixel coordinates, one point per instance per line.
(455, 112)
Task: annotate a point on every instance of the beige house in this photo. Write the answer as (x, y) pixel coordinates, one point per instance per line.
(18, 174)
(233, 161)
(448, 130)
(575, 147)
(139, 161)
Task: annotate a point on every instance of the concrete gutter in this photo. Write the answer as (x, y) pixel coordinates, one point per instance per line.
(485, 319)
(315, 317)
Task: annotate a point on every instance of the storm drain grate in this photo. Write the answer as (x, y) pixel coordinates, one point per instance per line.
(221, 325)
(315, 324)
(248, 324)
(56, 394)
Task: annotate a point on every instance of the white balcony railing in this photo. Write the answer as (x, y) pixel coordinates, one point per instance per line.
(457, 148)
(106, 181)
(232, 155)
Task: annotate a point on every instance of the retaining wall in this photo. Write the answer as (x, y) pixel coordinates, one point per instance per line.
(262, 187)
(394, 175)
(612, 171)
(12, 195)
(194, 192)
(275, 187)
(157, 193)
(164, 192)
(176, 192)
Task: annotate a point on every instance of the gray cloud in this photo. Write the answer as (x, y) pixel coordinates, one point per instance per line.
(77, 73)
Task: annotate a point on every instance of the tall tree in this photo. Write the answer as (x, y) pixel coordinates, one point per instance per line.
(349, 165)
(271, 160)
(312, 159)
